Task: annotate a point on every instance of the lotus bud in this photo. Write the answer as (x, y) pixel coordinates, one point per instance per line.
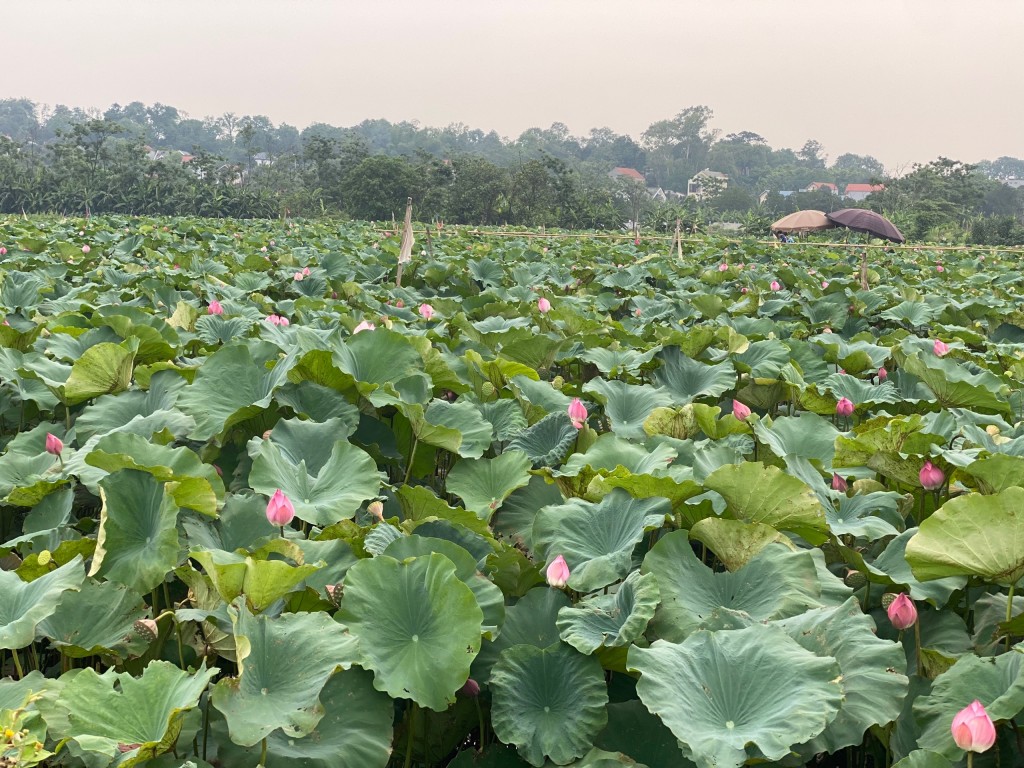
(931, 477)
(775, 285)
(740, 411)
(940, 348)
(3, 251)
(637, 241)
(543, 305)
(146, 628)
(86, 249)
(902, 613)
(577, 413)
(839, 483)
(558, 382)
(376, 509)
(426, 311)
(471, 689)
(280, 510)
(723, 267)
(973, 730)
(54, 444)
(882, 374)
(939, 268)
(844, 407)
(215, 308)
(558, 572)
(824, 284)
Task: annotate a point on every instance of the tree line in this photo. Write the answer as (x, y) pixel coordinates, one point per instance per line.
(155, 159)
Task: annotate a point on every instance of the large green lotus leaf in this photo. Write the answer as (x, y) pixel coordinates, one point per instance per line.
(775, 584)
(488, 596)
(549, 702)
(807, 435)
(506, 418)
(23, 605)
(597, 540)
(335, 492)
(309, 441)
(618, 361)
(972, 535)
(873, 690)
(845, 353)
(611, 621)
(923, 758)
(720, 692)
(735, 542)
(547, 441)
(457, 427)
(994, 473)
(915, 313)
(260, 581)
(282, 665)
(859, 515)
(138, 539)
(641, 735)
(230, 388)
(354, 732)
(540, 394)
(334, 557)
(483, 484)
(893, 563)
(194, 484)
(517, 515)
(685, 379)
(610, 452)
(319, 404)
(762, 359)
(378, 358)
(103, 369)
(97, 620)
(531, 621)
(997, 682)
(13, 693)
(110, 412)
(140, 717)
(627, 405)
(420, 504)
(858, 391)
(956, 387)
(419, 626)
(760, 494)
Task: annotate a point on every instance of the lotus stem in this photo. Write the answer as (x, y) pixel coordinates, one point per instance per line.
(412, 458)
(412, 730)
(263, 752)
(17, 663)
(970, 760)
(917, 647)
(1009, 615)
(480, 718)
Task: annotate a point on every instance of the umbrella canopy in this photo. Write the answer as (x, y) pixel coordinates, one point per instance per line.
(802, 221)
(862, 220)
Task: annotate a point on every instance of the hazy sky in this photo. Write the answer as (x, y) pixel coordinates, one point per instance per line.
(903, 80)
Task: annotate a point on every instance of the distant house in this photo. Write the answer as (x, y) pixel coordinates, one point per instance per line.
(1014, 183)
(814, 186)
(763, 197)
(627, 173)
(657, 193)
(706, 182)
(261, 158)
(860, 191)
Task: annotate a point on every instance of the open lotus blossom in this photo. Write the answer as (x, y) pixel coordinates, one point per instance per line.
(744, 289)
(558, 572)
(215, 308)
(305, 271)
(775, 285)
(363, 326)
(276, 320)
(882, 374)
(376, 509)
(939, 268)
(844, 407)
(280, 510)
(902, 613)
(577, 413)
(931, 477)
(940, 348)
(426, 311)
(740, 411)
(824, 284)
(297, 276)
(839, 483)
(543, 305)
(723, 267)
(86, 249)
(54, 444)
(263, 249)
(973, 730)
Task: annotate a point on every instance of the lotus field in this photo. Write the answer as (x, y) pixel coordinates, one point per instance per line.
(552, 501)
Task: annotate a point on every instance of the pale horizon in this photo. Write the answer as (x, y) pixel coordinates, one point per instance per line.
(940, 75)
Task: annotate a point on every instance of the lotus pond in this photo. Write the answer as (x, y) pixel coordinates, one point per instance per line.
(780, 527)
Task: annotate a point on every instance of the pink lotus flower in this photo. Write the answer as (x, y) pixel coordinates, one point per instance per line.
(723, 267)
(637, 312)
(263, 249)
(376, 509)
(973, 730)
(844, 407)
(426, 311)
(940, 348)
(931, 477)
(470, 689)
(826, 330)
(3, 251)
(740, 411)
(775, 285)
(305, 271)
(558, 572)
(637, 241)
(215, 308)
(273, 243)
(744, 289)
(363, 326)
(543, 305)
(882, 374)
(297, 276)
(577, 413)
(86, 249)
(939, 268)
(283, 321)
(824, 284)
(280, 510)
(54, 444)
(838, 483)
(902, 613)
(273, 319)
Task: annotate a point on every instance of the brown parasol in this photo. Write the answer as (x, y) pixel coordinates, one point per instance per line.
(803, 221)
(863, 220)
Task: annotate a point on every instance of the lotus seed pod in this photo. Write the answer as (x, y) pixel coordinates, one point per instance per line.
(855, 580)
(558, 382)
(146, 628)
(888, 599)
(487, 390)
